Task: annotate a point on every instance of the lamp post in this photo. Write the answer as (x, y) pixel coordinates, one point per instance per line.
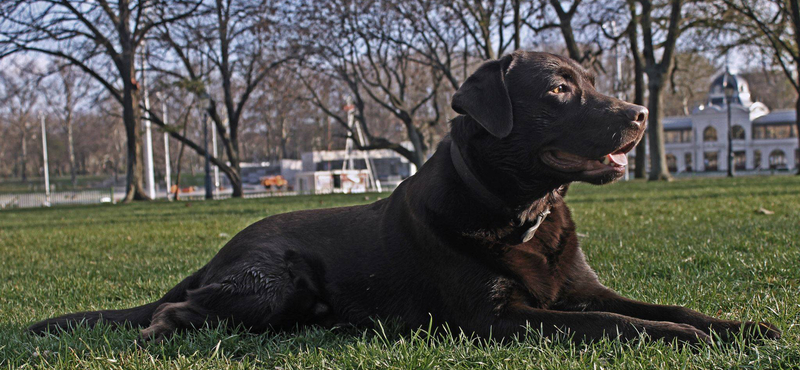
(46, 163)
(167, 169)
(205, 101)
(729, 89)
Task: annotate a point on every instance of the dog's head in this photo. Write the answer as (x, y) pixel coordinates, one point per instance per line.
(543, 115)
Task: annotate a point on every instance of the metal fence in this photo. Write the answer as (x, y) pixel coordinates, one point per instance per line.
(29, 200)
(34, 200)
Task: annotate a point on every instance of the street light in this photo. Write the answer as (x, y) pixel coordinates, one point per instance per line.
(729, 90)
(205, 103)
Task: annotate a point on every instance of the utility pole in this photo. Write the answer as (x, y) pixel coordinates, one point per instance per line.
(348, 144)
(167, 167)
(216, 168)
(204, 103)
(46, 164)
(618, 81)
(151, 186)
(728, 89)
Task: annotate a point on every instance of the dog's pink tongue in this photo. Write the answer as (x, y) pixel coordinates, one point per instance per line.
(620, 159)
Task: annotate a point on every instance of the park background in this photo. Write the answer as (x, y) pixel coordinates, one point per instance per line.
(131, 97)
(271, 81)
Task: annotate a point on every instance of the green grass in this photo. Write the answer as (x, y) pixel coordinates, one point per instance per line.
(697, 243)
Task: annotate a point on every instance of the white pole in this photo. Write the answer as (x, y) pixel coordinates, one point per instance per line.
(618, 83)
(167, 167)
(151, 186)
(46, 164)
(216, 168)
(348, 146)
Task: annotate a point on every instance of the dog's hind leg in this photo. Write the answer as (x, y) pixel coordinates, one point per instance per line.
(281, 299)
(170, 317)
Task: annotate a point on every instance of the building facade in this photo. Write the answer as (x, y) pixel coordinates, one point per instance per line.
(762, 140)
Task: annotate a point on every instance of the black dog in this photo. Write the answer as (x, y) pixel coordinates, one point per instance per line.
(480, 238)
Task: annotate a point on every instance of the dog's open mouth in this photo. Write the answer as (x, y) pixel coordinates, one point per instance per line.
(568, 162)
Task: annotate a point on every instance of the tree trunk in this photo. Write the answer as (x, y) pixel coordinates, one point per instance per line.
(418, 142)
(794, 10)
(658, 161)
(236, 182)
(125, 63)
(235, 176)
(178, 162)
(565, 24)
(569, 38)
(797, 124)
(640, 161)
(640, 171)
(130, 117)
(517, 24)
(797, 102)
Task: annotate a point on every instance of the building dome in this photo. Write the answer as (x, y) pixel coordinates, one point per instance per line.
(716, 92)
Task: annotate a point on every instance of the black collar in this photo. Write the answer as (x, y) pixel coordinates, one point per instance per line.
(484, 195)
(489, 199)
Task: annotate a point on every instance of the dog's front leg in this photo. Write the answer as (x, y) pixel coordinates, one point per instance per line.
(591, 326)
(606, 300)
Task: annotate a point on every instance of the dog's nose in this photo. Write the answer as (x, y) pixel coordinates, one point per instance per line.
(637, 114)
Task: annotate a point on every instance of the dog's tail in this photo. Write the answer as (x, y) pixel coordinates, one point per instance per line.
(136, 316)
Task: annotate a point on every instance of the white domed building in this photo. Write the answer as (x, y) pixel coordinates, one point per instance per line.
(762, 140)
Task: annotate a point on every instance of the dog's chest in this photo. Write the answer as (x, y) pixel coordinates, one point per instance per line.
(535, 270)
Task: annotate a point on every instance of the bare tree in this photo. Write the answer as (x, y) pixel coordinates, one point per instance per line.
(101, 38)
(619, 22)
(365, 53)
(179, 160)
(685, 93)
(64, 94)
(632, 31)
(772, 27)
(280, 107)
(452, 37)
(658, 74)
(20, 97)
(234, 41)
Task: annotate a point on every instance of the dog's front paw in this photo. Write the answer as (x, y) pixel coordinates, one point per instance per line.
(761, 330)
(155, 333)
(683, 333)
(728, 331)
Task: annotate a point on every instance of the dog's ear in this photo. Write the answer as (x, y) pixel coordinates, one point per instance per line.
(484, 97)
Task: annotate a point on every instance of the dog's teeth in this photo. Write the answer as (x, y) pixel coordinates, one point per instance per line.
(606, 161)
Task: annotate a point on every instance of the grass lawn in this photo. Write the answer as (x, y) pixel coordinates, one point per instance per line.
(697, 243)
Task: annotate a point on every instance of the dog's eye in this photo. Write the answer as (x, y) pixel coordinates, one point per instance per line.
(560, 89)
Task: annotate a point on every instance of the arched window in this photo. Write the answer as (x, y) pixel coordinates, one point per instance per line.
(672, 163)
(710, 134)
(777, 159)
(710, 161)
(737, 132)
